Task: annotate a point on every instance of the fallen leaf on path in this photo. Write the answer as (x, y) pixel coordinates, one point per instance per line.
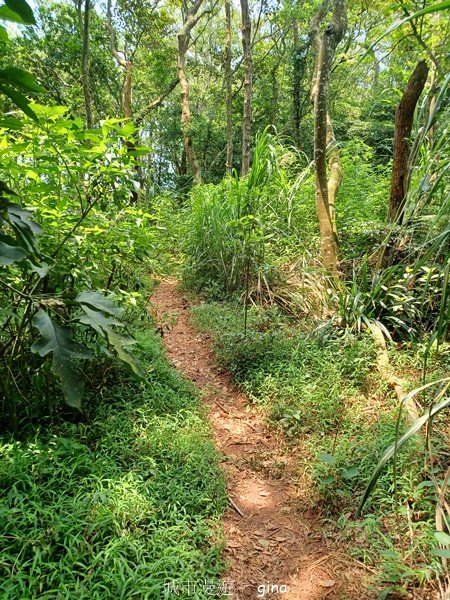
(328, 583)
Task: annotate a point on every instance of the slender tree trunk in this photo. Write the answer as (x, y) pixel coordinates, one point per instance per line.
(186, 113)
(229, 92)
(127, 66)
(275, 97)
(296, 83)
(248, 77)
(85, 65)
(127, 90)
(336, 174)
(190, 21)
(404, 118)
(326, 45)
(124, 63)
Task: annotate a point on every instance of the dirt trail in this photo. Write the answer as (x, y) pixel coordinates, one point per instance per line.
(270, 542)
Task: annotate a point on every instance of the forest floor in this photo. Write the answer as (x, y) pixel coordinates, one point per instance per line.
(270, 540)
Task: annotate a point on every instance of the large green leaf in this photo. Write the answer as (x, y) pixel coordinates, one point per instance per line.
(392, 450)
(23, 9)
(58, 341)
(98, 320)
(5, 189)
(99, 313)
(25, 227)
(19, 100)
(10, 254)
(11, 123)
(6, 14)
(99, 302)
(20, 78)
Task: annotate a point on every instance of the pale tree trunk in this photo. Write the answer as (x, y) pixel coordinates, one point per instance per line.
(124, 63)
(404, 118)
(326, 45)
(248, 77)
(229, 92)
(336, 174)
(85, 63)
(190, 21)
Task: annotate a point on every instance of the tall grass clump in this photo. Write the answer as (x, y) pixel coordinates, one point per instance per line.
(231, 226)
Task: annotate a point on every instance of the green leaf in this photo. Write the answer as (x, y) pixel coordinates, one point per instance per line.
(23, 9)
(442, 537)
(139, 151)
(19, 100)
(327, 458)
(3, 34)
(5, 189)
(327, 480)
(389, 452)
(41, 269)
(20, 78)
(99, 313)
(120, 343)
(99, 321)
(11, 123)
(350, 473)
(6, 14)
(99, 302)
(442, 552)
(58, 341)
(25, 227)
(11, 254)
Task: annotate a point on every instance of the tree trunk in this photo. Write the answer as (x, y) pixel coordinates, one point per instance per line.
(326, 45)
(404, 118)
(336, 174)
(127, 66)
(248, 76)
(85, 66)
(296, 82)
(229, 92)
(127, 89)
(124, 63)
(183, 41)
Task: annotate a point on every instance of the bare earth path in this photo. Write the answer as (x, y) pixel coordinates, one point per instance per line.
(270, 542)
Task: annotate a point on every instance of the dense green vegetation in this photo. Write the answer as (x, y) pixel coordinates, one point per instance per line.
(343, 417)
(289, 163)
(119, 505)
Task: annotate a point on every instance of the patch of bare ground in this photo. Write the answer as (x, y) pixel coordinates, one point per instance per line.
(271, 540)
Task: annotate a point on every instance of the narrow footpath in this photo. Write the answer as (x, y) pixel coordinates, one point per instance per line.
(273, 548)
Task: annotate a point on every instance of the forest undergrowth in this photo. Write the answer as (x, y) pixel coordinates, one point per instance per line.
(296, 184)
(120, 503)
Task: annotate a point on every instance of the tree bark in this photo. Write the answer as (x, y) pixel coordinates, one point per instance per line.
(124, 63)
(229, 91)
(296, 82)
(326, 45)
(85, 65)
(336, 174)
(248, 77)
(127, 66)
(190, 21)
(404, 118)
